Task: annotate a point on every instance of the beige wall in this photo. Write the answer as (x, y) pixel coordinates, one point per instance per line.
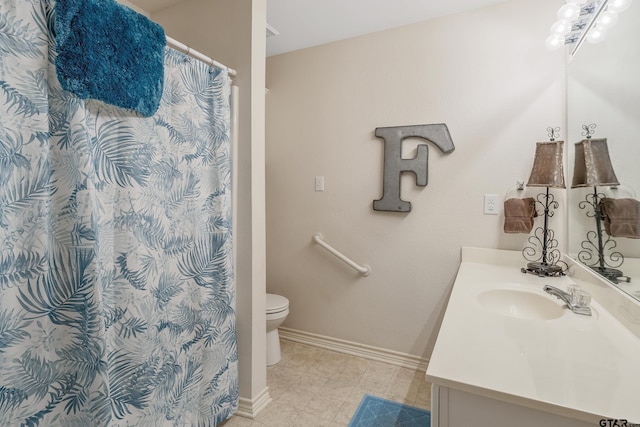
(487, 75)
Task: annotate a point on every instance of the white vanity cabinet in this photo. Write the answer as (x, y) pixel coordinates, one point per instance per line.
(508, 354)
(455, 408)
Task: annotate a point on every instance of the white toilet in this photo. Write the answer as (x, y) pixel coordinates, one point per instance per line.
(277, 311)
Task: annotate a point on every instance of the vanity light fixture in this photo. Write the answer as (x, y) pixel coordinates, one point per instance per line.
(580, 20)
(547, 171)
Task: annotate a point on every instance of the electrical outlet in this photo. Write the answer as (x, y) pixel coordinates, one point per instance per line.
(491, 204)
(319, 183)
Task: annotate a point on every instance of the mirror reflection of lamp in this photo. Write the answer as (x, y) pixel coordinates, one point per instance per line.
(547, 171)
(593, 168)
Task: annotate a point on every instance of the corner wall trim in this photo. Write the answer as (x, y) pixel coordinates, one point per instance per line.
(355, 349)
(250, 408)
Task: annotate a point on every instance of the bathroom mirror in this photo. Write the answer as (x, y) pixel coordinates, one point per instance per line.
(603, 88)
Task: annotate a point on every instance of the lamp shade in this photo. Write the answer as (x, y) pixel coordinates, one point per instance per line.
(547, 170)
(593, 165)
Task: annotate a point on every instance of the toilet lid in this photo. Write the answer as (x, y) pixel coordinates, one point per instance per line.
(276, 303)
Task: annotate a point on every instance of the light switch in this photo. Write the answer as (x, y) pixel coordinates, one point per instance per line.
(319, 183)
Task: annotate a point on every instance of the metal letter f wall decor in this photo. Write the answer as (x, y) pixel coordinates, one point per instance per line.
(394, 164)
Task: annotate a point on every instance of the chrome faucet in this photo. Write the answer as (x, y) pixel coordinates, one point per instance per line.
(567, 298)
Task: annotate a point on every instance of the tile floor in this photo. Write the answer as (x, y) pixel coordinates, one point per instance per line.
(315, 387)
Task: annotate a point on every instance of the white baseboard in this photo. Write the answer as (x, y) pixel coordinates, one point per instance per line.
(355, 349)
(250, 408)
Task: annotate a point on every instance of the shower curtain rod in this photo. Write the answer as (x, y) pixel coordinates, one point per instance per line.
(199, 56)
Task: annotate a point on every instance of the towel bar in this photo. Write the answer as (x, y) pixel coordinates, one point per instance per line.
(362, 269)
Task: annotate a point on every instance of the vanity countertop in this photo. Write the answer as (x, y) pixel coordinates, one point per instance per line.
(581, 367)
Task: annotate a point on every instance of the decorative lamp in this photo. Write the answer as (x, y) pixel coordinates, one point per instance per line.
(593, 164)
(547, 171)
(593, 168)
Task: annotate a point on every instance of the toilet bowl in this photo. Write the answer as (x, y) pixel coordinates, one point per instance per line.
(277, 311)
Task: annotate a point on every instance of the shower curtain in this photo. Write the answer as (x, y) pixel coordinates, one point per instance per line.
(116, 284)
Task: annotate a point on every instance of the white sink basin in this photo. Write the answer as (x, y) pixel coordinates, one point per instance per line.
(521, 304)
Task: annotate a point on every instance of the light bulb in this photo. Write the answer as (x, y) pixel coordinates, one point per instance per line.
(554, 42)
(561, 27)
(607, 19)
(578, 2)
(569, 12)
(618, 6)
(596, 35)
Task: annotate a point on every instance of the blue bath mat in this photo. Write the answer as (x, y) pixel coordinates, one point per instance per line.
(109, 52)
(377, 412)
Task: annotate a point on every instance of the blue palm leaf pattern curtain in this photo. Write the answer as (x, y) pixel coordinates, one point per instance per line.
(116, 283)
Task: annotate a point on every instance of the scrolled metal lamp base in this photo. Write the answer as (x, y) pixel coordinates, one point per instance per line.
(542, 269)
(543, 263)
